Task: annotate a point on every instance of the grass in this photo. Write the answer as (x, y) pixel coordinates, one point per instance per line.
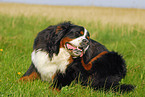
(19, 27)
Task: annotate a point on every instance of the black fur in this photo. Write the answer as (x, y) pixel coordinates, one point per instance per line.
(48, 40)
(106, 71)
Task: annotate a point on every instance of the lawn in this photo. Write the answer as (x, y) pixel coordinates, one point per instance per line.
(120, 30)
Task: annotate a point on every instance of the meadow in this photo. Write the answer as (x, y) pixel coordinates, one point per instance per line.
(120, 30)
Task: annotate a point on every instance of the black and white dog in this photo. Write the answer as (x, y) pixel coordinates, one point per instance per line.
(64, 52)
(55, 48)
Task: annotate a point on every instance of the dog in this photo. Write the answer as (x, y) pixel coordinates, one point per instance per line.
(65, 52)
(54, 49)
(100, 68)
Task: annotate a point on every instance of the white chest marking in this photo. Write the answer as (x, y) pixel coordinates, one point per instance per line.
(48, 68)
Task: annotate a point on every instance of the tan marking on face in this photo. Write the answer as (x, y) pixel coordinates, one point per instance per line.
(88, 37)
(82, 32)
(64, 40)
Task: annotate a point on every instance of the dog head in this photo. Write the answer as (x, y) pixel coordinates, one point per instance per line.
(74, 38)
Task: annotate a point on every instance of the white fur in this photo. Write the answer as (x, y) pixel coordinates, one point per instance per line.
(48, 68)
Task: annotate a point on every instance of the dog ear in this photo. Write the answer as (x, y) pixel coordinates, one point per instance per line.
(61, 30)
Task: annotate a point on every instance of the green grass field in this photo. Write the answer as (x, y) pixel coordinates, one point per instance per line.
(17, 33)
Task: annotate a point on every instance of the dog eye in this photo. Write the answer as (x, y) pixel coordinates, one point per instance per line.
(77, 34)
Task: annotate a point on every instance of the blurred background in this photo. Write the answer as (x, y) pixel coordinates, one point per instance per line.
(105, 11)
(103, 3)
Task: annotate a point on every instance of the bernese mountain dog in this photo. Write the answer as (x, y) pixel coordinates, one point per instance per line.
(54, 49)
(63, 53)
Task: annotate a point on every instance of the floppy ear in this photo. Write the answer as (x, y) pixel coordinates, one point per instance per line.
(61, 30)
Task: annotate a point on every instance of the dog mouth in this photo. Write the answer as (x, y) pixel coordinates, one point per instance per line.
(75, 51)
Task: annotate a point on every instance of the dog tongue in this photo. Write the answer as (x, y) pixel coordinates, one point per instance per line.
(81, 54)
(70, 47)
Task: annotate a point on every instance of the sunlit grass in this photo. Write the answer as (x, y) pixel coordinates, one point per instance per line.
(105, 15)
(19, 25)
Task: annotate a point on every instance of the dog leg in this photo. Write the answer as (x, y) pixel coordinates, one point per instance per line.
(31, 74)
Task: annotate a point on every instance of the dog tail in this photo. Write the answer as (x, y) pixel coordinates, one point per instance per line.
(125, 88)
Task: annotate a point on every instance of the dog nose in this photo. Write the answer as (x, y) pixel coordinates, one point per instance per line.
(84, 44)
(85, 41)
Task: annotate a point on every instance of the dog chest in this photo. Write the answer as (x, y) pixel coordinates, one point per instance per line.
(46, 67)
